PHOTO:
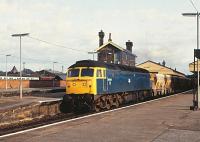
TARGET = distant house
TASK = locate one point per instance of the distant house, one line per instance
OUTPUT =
(13, 71)
(27, 72)
(50, 75)
(15, 75)
(112, 53)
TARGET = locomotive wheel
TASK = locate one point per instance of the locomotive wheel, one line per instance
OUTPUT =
(111, 100)
(108, 106)
(103, 102)
(115, 101)
(119, 98)
(97, 106)
(108, 102)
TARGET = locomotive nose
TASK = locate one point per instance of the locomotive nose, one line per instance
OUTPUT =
(79, 86)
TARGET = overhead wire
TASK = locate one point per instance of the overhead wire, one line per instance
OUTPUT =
(192, 2)
(54, 44)
(5, 50)
(33, 59)
(49, 43)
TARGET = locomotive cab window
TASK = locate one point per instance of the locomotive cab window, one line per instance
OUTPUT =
(99, 73)
(87, 72)
(73, 73)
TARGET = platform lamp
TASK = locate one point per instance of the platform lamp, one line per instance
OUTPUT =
(7, 71)
(54, 74)
(196, 101)
(20, 37)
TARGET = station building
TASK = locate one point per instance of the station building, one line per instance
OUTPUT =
(110, 52)
(154, 67)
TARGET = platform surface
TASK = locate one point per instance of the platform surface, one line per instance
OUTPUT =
(7, 103)
(166, 120)
(37, 95)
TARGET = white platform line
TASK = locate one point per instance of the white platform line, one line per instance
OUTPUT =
(95, 114)
(50, 100)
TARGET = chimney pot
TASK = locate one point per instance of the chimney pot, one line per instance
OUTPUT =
(129, 45)
(109, 37)
(101, 36)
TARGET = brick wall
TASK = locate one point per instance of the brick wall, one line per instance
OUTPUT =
(14, 84)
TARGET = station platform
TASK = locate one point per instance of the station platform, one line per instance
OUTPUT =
(10, 98)
(14, 110)
(165, 120)
(28, 91)
(7, 103)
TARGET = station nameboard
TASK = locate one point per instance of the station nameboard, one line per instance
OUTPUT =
(197, 53)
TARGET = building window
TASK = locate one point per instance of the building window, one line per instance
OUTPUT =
(126, 57)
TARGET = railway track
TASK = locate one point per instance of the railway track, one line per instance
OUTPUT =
(63, 118)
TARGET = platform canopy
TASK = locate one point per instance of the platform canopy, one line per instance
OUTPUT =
(191, 66)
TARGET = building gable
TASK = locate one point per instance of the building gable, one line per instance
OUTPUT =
(110, 43)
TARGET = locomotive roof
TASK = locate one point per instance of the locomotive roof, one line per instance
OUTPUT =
(91, 63)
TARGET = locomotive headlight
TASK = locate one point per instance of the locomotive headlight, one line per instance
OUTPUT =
(129, 80)
(90, 83)
(74, 84)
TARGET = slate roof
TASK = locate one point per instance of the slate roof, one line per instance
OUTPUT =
(116, 46)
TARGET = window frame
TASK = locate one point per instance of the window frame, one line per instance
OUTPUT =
(86, 75)
(73, 69)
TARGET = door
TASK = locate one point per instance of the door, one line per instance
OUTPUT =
(105, 83)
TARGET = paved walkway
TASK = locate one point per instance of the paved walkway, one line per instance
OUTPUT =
(167, 120)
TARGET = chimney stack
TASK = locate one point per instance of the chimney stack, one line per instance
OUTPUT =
(101, 36)
(163, 63)
(129, 45)
(109, 37)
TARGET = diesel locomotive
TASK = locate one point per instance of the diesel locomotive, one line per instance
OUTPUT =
(99, 86)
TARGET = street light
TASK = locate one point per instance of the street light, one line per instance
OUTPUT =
(7, 71)
(198, 97)
(20, 37)
(54, 74)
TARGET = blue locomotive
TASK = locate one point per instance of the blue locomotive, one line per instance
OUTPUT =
(100, 85)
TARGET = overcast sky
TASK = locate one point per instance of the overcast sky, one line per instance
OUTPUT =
(156, 28)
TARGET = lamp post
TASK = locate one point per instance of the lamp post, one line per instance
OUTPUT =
(7, 71)
(20, 37)
(54, 74)
(197, 102)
